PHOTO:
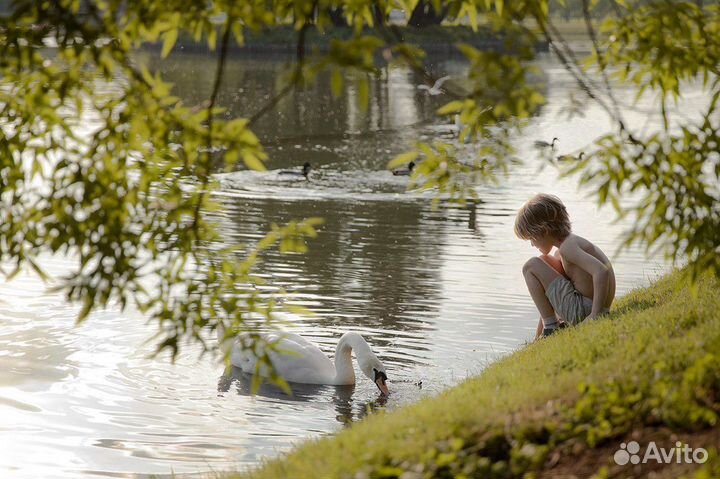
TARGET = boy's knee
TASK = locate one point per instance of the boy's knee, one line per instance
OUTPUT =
(530, 265)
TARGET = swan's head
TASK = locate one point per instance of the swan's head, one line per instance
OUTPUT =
(381, 381)
(375, 371)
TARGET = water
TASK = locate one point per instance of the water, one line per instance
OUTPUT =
(437, 292)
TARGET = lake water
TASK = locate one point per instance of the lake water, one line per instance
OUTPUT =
(437, 292)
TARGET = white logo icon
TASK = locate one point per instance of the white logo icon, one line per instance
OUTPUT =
(627, 453)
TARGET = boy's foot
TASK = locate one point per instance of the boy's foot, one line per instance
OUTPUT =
(548, 331)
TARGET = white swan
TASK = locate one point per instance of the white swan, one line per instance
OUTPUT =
(298, 360)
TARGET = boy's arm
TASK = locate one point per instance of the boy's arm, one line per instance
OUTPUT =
(600, 274)
(555, 262)
(557, 256)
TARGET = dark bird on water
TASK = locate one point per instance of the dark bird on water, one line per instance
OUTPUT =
(571, 157)
(305, 171)
(404, 171)
(545, 144)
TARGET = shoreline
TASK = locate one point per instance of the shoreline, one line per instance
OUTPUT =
(559, 407)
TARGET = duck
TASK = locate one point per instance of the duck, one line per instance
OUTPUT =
(305, 171)
(545, 144)
(404, 171)
(298, 360)
(571, 157)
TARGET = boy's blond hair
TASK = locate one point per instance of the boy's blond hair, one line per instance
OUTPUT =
(541, 216)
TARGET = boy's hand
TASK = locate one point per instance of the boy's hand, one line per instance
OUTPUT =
(592, 316)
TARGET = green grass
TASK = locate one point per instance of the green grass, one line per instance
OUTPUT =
(652, 365)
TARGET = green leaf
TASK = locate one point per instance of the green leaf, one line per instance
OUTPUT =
(298, 310)
(38, 270)
(12, 274)
(231, 159)
(499, 4)
(253, 162)
(363, 97)
(169, 42)
(88, 303)
(212, 38)
(238, 33)
(454, 106)
(471, 11)
(336, 83)
(469, 51)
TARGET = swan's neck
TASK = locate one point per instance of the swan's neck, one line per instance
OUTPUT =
(349, 342)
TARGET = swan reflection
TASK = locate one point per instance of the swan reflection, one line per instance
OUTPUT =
(347, 409)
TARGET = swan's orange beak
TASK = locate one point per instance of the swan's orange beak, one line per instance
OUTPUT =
(380, 382)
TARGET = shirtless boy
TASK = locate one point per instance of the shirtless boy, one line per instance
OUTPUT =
(575, 283)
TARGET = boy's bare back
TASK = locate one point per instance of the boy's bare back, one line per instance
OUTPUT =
(580, 258)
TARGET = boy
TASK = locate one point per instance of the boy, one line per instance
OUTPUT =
(574, 284)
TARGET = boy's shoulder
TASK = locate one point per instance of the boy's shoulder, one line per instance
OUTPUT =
(574, 245)
(571, 241)
(574, 242)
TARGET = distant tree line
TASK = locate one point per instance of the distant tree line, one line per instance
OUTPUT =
(426, 13)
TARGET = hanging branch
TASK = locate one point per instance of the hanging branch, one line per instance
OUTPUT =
(391, 36)
(204, 173)
(567, 57)
(601, 62)
(296, 77)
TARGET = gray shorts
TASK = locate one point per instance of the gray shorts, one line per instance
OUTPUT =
(571, 306)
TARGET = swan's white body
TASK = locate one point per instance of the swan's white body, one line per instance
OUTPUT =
(298, 360)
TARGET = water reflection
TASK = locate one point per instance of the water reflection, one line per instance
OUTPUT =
(36, 349)
(35, 357)
(310, 124)
(369, 261)
(348, 407)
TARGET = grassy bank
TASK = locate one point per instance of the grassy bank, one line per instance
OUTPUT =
(560, 407)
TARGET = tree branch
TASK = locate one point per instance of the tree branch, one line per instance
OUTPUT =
(567, 57)
(603, 65)
(204, 173)
(296, 76)
(391, 36)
